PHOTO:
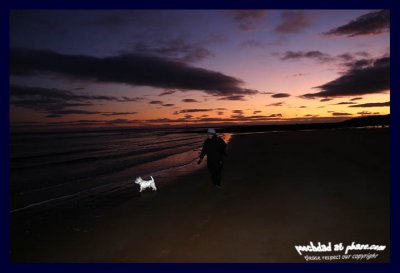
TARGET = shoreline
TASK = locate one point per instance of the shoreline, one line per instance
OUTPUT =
(279, 190)
(117, 181)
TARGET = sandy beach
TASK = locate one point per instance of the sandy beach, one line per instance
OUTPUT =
(279, 189)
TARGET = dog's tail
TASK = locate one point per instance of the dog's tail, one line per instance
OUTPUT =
(152, 178)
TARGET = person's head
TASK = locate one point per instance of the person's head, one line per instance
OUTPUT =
(211, 132)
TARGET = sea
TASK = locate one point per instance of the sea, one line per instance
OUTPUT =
(49, 168)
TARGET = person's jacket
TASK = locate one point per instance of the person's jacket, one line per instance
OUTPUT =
(214, 148)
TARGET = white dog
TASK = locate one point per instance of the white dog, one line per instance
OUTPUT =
(146, 183)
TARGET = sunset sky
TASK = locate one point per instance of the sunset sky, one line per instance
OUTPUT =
(103, 68)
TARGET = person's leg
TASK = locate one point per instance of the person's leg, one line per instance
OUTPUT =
(212, 167)
(215, 167)
(220, 165)
(218, 173)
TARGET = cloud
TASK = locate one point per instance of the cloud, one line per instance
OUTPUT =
(311, 116)
(256, 112)
(293, 22)
(356, 98)
(127, 99)
(155, 102)
(249, 118)
(167, 92)
(60, 113)
(367, 24)
(189, 100)
(358, 81)
(118, 113)
(77, 122)
(168, 104)
(117, 19)
(21, 91)
(340, 114)
(313, 54)
(326, 99)
(176, 49)
(247, 20)
(368, 113)
(57, 102)
(348, 60)
(233, 97)
(346, 56)
(220, 113)
(280, 95)
(233, 118)
(359, 64)
(275, 116)
(299, 75)
(303, 106)
(373, 104)
(344, 103)
(195, 110)
(120, 121)
(74, 112)
(275, 104)
(46, 105)
(167, 121)
(237, 114)
(241, 117)
(130, 69)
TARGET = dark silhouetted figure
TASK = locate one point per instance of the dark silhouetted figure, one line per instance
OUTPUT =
(215, 149)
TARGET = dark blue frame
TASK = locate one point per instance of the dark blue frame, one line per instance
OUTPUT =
(6, 266)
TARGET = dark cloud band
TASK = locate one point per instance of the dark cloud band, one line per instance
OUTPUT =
(280, 95)
(57, 103)
(131, 69)
(374, 78)
(370, 23)
(372, 104)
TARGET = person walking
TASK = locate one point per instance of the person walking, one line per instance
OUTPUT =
(215, 149)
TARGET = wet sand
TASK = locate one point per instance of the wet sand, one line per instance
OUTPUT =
(279, 190)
